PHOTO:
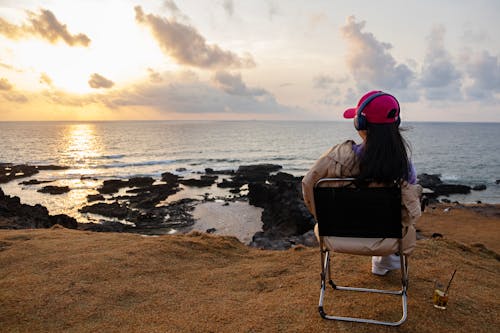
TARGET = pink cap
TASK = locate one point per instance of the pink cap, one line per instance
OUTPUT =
(377, 111)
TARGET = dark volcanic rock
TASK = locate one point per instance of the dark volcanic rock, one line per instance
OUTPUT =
(434, 183)
(169, 178)
(35, 182)
(210, 171)
(52, 167)
(257, 172)
(429, 181)
(10, 172)
(64, 220)
(480, 187)
(447, 189)
(140, 182)
(110, 210)
(105, 226)
(16, 215)
(95, 197)
(54, 189)
(204, 181)
(112, 186)
(285, 217)
(248, 174)
(149, 197)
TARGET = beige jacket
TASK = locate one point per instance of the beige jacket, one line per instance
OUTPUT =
(341, 161)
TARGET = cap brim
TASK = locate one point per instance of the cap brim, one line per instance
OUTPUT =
(350, 113)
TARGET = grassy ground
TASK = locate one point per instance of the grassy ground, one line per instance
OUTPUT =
(63, 280)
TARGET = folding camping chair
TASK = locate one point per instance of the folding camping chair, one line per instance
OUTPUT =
(349, 213)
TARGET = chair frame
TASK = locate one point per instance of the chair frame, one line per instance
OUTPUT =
(326, 275)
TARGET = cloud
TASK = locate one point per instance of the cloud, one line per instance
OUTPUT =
(484, 71)
(440, 79)
(186, 94)
(170, 5)
(272, 10)
(473, 35)
(59, 97)
(185, 44)
(5, 84)
(176, 12)
(154, 76)
(8, 93)
(370, 62)
(234, 85)
(228, 6)
(333, 97)
(325, 81)
(98, 81)
(44, 25)
(15, 97)
(45, 79)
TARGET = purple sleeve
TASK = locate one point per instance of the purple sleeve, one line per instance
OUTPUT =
(412, 177)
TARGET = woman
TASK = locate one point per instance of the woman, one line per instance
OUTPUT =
(382, 157)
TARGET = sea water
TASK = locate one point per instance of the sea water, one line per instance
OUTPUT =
(462, 153)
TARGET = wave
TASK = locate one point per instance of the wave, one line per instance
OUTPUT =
(222, 160)
(135, 164)
(284, 158)
(111, 157)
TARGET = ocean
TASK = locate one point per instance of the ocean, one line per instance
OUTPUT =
(462, 153)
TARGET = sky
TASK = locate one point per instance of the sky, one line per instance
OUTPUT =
(247, 60)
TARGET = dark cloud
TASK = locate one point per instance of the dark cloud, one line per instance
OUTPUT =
(5, 84)
(440, 79)
(98, 81)
(185, 44)
(234, 85)
(484, 71)
(370, 61)
(45, 25)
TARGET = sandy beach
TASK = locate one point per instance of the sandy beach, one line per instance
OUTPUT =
(55, 280)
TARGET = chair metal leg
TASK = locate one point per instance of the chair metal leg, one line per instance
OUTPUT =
(403, 293)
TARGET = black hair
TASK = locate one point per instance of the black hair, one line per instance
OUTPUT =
(385, 154)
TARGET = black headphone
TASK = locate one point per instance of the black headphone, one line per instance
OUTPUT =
(360, 123)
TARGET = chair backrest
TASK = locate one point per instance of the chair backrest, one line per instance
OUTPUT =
(357, 211)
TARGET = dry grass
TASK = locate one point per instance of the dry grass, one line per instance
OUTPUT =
(72, 281)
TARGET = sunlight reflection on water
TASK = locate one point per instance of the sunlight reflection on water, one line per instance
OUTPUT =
(80, 146)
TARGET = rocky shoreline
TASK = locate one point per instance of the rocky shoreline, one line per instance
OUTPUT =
(138, 205)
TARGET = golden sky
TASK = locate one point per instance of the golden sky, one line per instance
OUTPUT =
(262, 59)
